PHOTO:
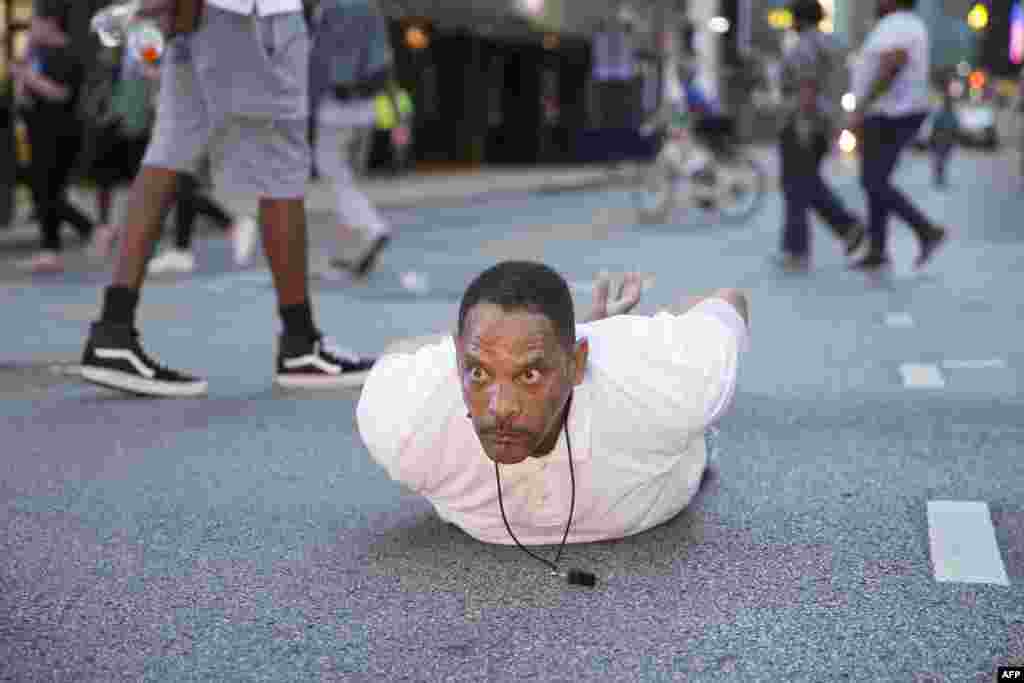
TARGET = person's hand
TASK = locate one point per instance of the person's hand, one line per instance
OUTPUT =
(609, 301)
(400, 136)
(161, 12)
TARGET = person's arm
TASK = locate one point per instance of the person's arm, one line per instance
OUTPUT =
(403, 413)
(890, 63)
(41, 84)
(44, 31)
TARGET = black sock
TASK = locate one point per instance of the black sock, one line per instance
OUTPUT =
(298, 321)
(119, 304)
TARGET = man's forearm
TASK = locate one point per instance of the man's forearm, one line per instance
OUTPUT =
(891, 63)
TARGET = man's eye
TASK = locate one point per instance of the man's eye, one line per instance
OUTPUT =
(532, 376)
(477, 374)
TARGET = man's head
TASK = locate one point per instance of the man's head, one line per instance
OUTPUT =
(889, 6)
(518, 358)
(806, 13)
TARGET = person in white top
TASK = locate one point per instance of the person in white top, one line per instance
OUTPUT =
(524, 427)
(891, 83)
(234, 89)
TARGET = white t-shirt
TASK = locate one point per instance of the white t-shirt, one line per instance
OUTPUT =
(652, 386)
(909, 91)
(264, 7)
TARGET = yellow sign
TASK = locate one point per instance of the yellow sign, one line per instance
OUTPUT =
(780, 19)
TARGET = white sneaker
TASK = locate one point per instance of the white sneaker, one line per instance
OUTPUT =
(243, 238)
(173, 261)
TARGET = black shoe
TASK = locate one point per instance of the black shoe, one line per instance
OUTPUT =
(871, 262)
(932, 240)
(793, 263)
(853, 237)
(314, 363)
(364, 265)
(114, 359)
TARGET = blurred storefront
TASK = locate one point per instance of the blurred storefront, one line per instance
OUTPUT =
(509, 81)
(14, 18)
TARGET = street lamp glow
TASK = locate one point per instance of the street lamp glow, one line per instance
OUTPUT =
(977, 18)
(849, 102)
(847, 141)
(718, 24)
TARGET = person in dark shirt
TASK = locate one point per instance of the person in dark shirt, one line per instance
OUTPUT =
(53, 79)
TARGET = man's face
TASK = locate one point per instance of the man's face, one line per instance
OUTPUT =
(516, 376)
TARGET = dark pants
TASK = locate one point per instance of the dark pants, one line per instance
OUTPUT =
(190, 204)
(941, 152)
(804, 189)
(56, 141)
(884, 138)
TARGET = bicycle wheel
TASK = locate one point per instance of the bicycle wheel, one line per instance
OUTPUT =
(655, 197)
(738, 187)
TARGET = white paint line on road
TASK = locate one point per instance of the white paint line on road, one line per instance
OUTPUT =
(963, 543)
(899, 320)
(922, 376)
(991, 363)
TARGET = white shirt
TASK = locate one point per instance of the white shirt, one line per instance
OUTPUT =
(264, 7)
(652, 386)
(909, 91)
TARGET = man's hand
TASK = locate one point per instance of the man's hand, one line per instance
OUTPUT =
(626, 296)
(161, 12)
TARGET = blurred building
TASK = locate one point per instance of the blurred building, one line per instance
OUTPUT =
(510, 81)
(14, 18)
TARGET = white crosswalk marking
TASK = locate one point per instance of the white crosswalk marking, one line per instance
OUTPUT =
(916, 376)
(963, 543)
(901, 320)
(991, 363)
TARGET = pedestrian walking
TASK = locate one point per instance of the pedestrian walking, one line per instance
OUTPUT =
(525, 427)
(1020, 122)
(352, 63)
(191, 203)
(891, 87)
(235, 87)
(394, 119)
(52, 80)
(121, 145)
(805, 140)
(944, 134)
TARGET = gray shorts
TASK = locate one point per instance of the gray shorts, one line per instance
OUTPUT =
(237, 90)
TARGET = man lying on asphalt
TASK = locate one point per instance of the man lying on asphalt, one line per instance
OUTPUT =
(607, 417)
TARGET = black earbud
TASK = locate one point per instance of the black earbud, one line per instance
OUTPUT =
(578, 577)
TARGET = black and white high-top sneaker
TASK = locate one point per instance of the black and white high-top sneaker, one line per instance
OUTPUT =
(316, 363)
(114, 359)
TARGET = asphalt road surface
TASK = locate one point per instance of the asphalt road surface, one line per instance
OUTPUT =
(865, 522)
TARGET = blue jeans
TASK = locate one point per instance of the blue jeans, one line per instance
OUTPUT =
(884, 139)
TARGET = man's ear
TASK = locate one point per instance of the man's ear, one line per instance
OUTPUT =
(457, 341)
(580, 352)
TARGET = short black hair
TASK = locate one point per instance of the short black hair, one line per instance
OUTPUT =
(806, 12)
(525, 286)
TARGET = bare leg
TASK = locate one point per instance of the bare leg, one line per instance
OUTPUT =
(284, 243)
(151, 197)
